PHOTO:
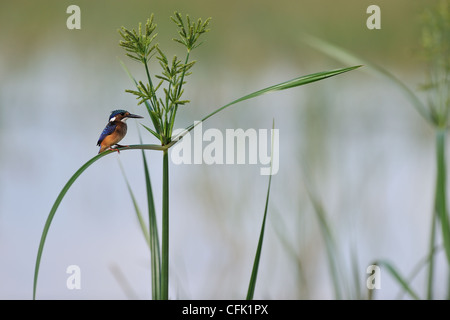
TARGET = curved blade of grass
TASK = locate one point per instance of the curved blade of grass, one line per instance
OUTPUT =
(252, 284)
(299, 81)
(63, 193)
(345, 56)
(396, 275)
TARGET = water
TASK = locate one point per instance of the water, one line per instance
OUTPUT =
(353, 140)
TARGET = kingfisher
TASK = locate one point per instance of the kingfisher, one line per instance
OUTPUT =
(115, 130)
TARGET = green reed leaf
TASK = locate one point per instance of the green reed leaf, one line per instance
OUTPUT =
(397, 276)
(66, 188)
(278, 87)
(252, 284)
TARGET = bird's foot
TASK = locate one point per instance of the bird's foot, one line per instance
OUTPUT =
(117, 146)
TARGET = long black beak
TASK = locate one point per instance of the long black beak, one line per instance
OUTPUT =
(133, 116)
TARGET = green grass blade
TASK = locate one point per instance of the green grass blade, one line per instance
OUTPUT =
(154, 235)
(299, 81)
(345, 56)
(136, 207)
(53, 211)
(396, 275)
(252, 284)
(155, 252)
(63, 192)
(144, 147)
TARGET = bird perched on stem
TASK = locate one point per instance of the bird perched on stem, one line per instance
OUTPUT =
(115, 130)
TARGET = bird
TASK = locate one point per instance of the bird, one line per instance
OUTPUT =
(115, 130)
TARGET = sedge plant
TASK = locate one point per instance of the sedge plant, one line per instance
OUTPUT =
(436, 112)
(140, 47)
(162, 95)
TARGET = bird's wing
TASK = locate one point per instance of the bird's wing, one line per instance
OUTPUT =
(106, 132)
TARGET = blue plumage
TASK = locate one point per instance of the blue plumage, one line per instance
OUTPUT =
(110, 127)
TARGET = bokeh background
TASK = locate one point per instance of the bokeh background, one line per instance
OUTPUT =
(353, 140)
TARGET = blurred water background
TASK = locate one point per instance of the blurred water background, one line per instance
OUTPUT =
(354, 140)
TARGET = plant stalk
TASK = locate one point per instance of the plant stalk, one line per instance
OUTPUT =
(431, 256)
(155, 258)
(165, 228)
(440, 207)
(441, 190)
